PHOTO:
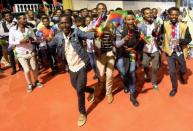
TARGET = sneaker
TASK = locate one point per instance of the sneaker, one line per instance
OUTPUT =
(110, 98)
(126, 89)
(29, 88)
(155, 86)
(91, 97)
(38, 84)
(145, 76)
(173, 92)
(7, 65)
(81, 120)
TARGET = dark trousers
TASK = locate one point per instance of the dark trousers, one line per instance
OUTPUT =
(172, 67)
(49, 54)
(1, 54)
(78, 81)
(12, 60)
(154, 57)
(52, 58)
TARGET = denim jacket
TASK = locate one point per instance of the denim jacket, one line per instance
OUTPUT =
(75, 38)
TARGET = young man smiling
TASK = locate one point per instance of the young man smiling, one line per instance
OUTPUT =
(69, 44)
(176, 37)
(150, 51)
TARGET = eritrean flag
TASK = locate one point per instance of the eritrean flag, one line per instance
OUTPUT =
(116, 17)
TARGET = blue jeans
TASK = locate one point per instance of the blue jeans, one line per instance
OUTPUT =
(126, 69)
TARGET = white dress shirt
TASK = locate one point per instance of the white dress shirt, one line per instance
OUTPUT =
(15, 36)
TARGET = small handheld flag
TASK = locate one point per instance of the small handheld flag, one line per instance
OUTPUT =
(45, 4)
(116, 17)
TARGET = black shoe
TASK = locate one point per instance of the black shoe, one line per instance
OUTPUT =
(95, 77)
(1, 70)
(54, 72)
(134, 100)
(13, 72)
(173, 92)
(182, 80)
(126, 90)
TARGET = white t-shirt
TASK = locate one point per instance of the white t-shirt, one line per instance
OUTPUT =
(75, 63)
(15, 36)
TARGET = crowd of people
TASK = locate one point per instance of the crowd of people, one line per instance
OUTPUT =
(71, 39)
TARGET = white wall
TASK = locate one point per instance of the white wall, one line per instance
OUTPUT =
(128, 5)
(79, 4)
(133, 5)
(110, 4)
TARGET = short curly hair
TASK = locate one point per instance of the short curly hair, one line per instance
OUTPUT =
(173, 9)
(5, 11)
(103, 4)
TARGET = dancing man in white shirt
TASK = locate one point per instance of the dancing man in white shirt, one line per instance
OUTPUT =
(21, 37)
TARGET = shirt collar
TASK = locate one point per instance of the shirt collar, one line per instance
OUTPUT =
(9, 23)
(67, 37)
(176, 22)
(16, 27)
